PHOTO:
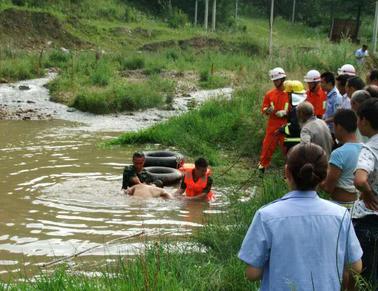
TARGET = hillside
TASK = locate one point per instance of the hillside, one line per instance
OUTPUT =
(113, 57)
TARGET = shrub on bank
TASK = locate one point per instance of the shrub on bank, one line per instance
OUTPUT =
(20, 68)
(102, 73)
(131, 63)
(122, 96)
(212, 81)
(57, 58)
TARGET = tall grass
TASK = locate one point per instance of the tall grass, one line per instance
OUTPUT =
(217, 124)
(19, 65)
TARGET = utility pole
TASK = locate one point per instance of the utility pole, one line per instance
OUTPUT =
(196, 13)
(271, 28)
(293, 15)
(358, 19)
(206, 20)
(214, 14)
(375, 28)
(236, 9)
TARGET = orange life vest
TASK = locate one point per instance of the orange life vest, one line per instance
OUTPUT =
(196, 188)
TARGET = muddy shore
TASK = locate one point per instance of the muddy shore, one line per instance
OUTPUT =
(30, 100)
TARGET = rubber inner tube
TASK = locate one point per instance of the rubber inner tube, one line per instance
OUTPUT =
(168, 176)
(163, 159)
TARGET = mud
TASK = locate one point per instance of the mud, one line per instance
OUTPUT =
(202, 44)
(32, 29)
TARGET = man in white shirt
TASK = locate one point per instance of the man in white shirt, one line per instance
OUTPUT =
(361, 53)
(365, 212)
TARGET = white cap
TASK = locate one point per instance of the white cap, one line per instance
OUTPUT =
(347, 69)
(312, 76)
(277, 73)
(297, 98)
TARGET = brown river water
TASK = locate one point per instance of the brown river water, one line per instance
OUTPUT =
(60, 192)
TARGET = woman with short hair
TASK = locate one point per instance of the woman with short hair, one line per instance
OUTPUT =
(301, 242)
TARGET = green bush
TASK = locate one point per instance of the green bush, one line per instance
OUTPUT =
(205, 76)
(102, 74)
(132, 63)
(177, 18)
(212, 81)
(138, 96)
(57, 58)
(131, 14)
(19, 68)
(92, 102)
(119, 96)
(154, 69)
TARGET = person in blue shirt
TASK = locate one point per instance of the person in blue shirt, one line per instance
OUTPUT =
(334, 98)
(301, 242)
(339, 182)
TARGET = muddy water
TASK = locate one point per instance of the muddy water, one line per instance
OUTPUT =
(60, 192)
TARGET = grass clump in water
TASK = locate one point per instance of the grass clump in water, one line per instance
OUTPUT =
(125, 96)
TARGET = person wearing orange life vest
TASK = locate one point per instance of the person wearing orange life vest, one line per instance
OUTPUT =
(197, 182)
(275, 106)
(315, 94)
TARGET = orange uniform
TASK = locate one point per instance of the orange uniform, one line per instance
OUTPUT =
(318, 99)
(195, 188)
(279, 100)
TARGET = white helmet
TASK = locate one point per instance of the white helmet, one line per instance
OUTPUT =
(347, 69)
(277, 73)
(312, 76)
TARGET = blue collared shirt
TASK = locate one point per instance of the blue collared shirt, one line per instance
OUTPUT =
(334, 102)
(301, 242)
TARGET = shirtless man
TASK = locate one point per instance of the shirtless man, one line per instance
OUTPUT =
(148, 191)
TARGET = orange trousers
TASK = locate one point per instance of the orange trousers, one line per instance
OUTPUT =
(271, 140)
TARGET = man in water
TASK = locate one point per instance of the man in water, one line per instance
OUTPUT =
(196, 183)
(136, 174)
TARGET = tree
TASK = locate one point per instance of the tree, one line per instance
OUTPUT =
(206, 20)
(214, 15)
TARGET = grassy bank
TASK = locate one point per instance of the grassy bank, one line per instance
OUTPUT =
(237, 125)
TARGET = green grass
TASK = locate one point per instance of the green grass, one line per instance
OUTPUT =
(204, 131)
(18, 65)
(236, 125)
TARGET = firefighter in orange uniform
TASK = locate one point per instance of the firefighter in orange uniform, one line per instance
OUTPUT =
(275, 106)
(315, 94)
(197, 182)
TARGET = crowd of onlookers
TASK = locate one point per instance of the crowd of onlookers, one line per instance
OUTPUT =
(329, 134)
